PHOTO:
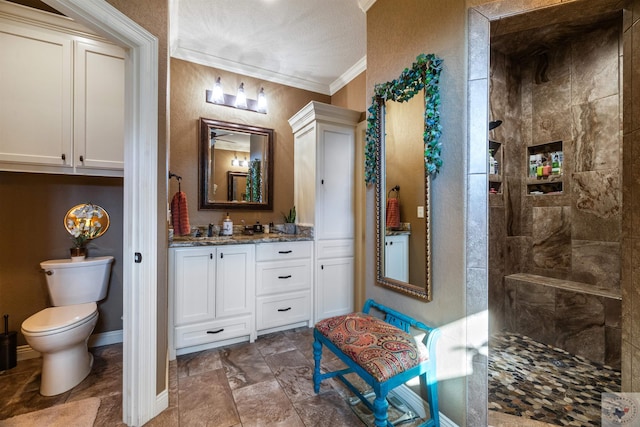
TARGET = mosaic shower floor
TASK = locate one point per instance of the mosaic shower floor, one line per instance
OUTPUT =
(544, 383)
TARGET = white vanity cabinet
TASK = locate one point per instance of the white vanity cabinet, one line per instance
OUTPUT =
(396, 257)
(61, 96)
(284, 275)
(211, 296)
(324, 152)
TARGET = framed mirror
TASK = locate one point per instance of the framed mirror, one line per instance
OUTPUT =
(402, 156)
(236, 166)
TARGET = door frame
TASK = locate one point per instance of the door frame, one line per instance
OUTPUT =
(140, 243)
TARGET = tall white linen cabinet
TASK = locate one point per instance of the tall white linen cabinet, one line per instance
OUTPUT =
(324, 152)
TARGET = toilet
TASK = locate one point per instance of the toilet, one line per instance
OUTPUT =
(60, 333)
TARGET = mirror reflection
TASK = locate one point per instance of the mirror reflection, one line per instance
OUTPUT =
(236, 166)
(404, 184)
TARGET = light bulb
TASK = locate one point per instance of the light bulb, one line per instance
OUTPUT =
(262, 101)
(218, 94)
(241, 98)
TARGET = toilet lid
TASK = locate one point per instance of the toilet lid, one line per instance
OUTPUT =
(53, 318)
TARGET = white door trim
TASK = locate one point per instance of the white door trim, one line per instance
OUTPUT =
(139, 403)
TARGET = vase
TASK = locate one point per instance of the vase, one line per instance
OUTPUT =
(289, 228)
(78, 254)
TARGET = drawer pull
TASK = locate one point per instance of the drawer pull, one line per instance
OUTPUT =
(284, 277)
(215, 332)
(284, 309)
(284, 252)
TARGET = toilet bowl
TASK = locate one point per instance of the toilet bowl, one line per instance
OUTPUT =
(61, 333)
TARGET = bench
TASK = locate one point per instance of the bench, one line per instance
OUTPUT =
(382, 353)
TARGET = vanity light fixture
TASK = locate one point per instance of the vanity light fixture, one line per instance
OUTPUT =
(235, 161)
(240, 101)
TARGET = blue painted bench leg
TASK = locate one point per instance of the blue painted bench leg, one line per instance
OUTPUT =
(431, 385)
(317, 354)
(380, 406)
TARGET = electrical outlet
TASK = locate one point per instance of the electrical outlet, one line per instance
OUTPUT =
(420, 211)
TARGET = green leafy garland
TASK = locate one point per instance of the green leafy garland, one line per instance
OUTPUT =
(423, 74)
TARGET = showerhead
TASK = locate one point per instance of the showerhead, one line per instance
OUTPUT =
(494, 124)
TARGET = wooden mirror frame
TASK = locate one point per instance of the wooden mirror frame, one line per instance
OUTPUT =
(422, 77)
(204, 202)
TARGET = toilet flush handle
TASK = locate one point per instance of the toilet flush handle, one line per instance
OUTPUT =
(47, 272)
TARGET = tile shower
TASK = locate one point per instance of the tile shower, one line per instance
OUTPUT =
(554, 258)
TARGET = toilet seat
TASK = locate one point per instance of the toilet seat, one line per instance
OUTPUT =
(55, 320)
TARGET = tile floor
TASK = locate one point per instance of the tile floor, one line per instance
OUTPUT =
(267, 383)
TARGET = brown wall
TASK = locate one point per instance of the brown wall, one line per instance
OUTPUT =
(353, 94)
(189, 82)
(31, 225)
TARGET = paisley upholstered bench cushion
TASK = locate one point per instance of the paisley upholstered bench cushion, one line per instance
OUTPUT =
(380, 348)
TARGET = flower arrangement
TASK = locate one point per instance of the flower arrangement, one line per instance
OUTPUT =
(83, 223)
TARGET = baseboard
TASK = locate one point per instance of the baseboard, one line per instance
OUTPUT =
(162, 402)
(417, 404)
(25, 352)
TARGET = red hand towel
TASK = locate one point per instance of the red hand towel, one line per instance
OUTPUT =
(393, 213)
(179, 214)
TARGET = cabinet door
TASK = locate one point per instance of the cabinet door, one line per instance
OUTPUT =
(396, 257)
(194, 285)
(35, 97)
(235, 280)
(334, 287)
(99, 106)
(334, 201)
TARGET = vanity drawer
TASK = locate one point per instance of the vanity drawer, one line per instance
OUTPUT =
(208, 332)
(280, 310)
(283, 276)
(283, 250)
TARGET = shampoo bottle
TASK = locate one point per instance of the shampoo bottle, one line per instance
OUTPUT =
(227, 226)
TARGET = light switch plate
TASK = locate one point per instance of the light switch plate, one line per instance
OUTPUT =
(420, 211)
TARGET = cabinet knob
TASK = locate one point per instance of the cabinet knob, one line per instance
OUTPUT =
(64, 156)
(82, 158)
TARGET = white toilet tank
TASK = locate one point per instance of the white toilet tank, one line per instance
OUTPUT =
(77, 282)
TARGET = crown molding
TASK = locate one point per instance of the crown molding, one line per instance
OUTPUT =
(365, 4)
(348, 75)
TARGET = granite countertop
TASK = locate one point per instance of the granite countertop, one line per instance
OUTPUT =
(398, 232)
(236, 239)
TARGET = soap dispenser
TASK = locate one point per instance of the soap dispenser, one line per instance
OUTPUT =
(227, 226)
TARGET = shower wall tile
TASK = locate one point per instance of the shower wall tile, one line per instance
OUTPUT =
(580, 324)
(627, 78)
(510, 309)
(518, 254)
(612, 347)
(596, 263)
(597, 205)
(632, 150)
(526, 103)
(512, 192)
(551, 235)
(597, 134)
(612, 312)
(635, 74)
(552, 101)
(594, 59)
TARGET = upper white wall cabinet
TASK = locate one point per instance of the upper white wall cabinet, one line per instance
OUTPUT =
(61, 96)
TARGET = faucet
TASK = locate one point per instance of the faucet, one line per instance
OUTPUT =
(210, 231)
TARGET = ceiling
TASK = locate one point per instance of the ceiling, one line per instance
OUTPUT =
(316, 45)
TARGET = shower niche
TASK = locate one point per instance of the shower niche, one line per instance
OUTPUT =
(544, 169)
(496, 163)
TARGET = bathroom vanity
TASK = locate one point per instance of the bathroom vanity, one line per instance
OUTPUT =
(228, 290)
